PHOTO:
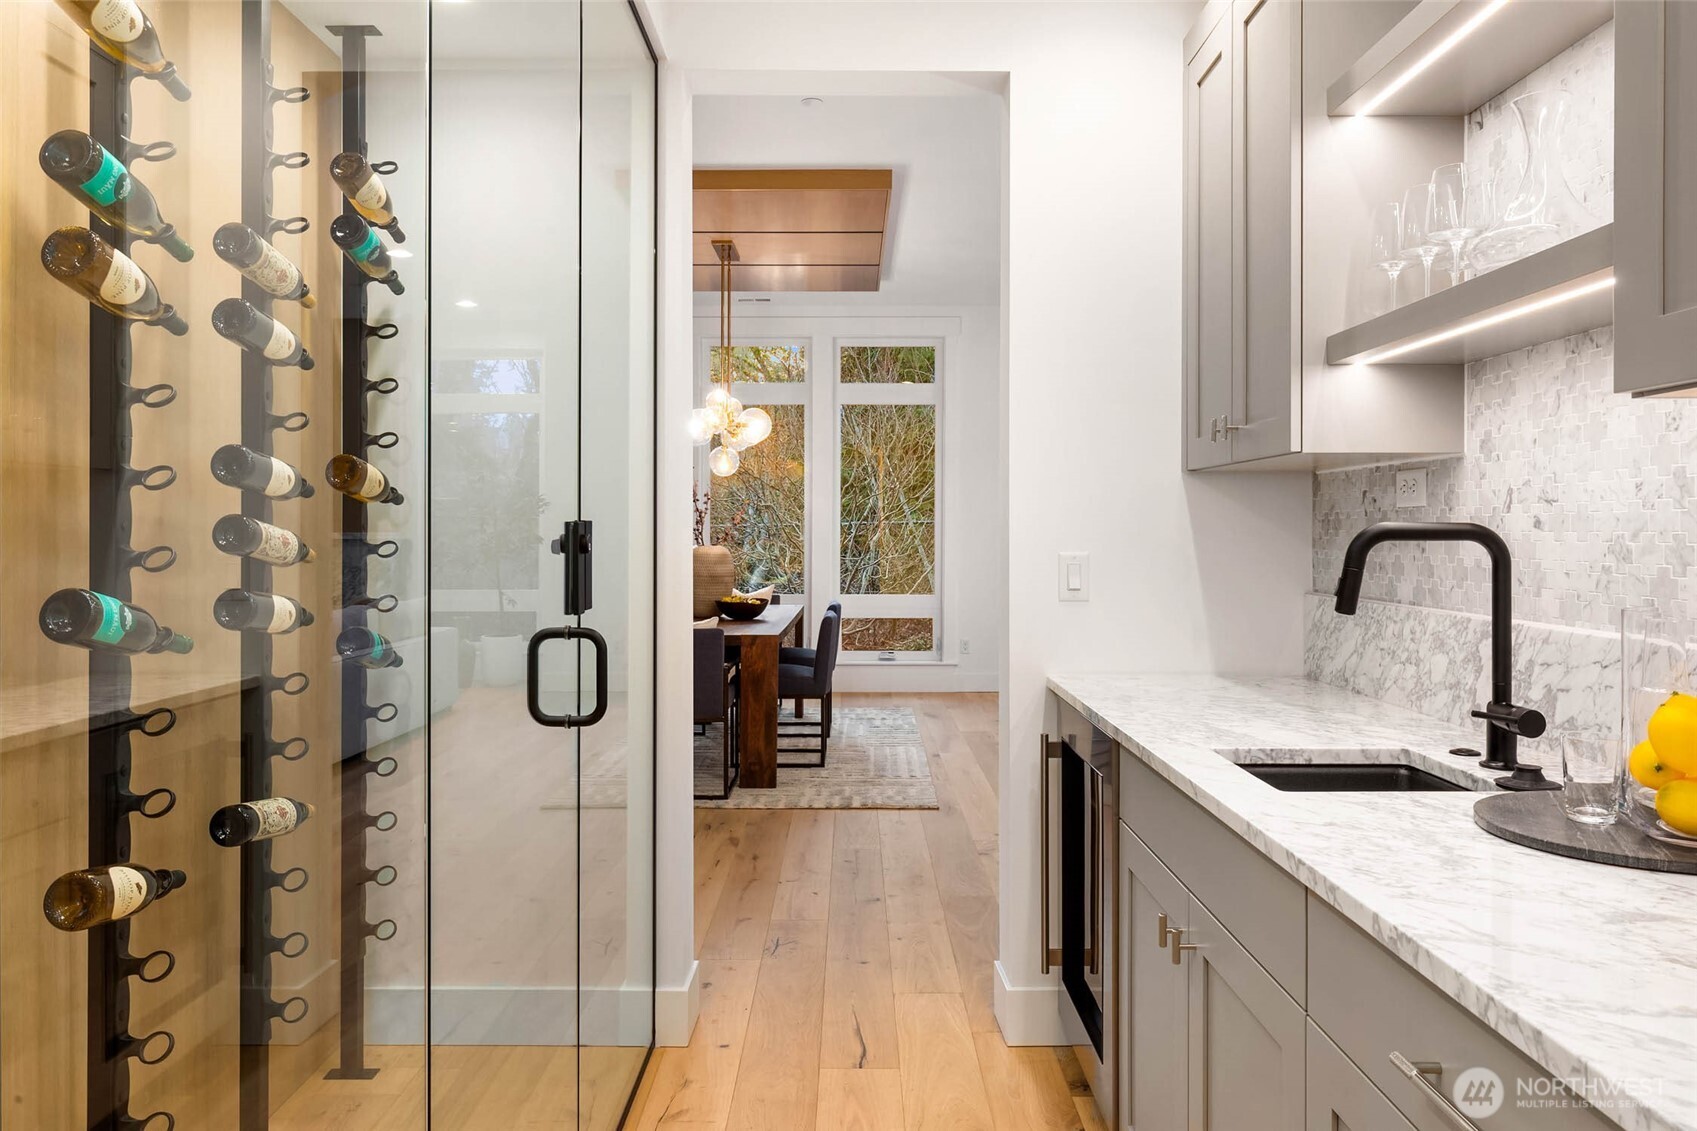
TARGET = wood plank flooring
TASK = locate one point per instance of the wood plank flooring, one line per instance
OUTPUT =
(846, 965)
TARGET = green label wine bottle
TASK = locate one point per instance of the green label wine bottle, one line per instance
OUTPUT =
(89, 897)
(248, 821)
(243, 323)
(248, 252)
(367, 648)
(365, 250)
(98, 181)
(358, 479)
(105, 624)
(241, 610)
(108, 278)
(122, 30)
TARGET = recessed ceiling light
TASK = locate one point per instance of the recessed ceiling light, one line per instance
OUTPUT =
(812, 101)
(466, 303)
(399, 253)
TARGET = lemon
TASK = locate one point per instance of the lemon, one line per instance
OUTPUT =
(1673, 732)
(1676, 805)
(1649, 770)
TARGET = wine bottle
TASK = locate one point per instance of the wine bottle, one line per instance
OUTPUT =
(108, 278)
(246, 537)
(365, 250)
(87, 898)
(96, 179)
(357, 479)
(360, 645)
(122, 30)
(236, 825)
(236, 466)
(248, 252)
(243, 324)
(239, 609)
(105, 624)
(364, 189)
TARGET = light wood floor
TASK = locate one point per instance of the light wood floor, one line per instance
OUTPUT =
(846, 965)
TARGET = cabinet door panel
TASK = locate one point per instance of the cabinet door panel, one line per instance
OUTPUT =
(1655, 174)
(1340, 1097)
(1153, 1001)
(1246, 1037)
(1208, 267)
(1267, 175)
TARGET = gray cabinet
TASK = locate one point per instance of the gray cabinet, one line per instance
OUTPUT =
(1154, 1000)
(1340, 1098)
(1655, 236)
(1209, 338)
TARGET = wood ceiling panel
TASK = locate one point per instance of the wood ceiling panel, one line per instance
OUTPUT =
(795, 229)
(791, 278)
(858, 249)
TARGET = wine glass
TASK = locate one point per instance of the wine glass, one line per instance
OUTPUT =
(1449, 213)
(1387, 243)
(1481, 212)
(1417, 241)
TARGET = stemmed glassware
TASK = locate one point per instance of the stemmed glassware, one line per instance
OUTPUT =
(1450, 214)
(1387, 243)
(1417, 239)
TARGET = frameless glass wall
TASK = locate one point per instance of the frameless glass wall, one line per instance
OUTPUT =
(303, 364)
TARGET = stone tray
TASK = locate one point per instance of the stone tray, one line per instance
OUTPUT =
(1536, 820)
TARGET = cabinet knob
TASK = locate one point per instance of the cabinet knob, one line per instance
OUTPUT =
(1180, 946)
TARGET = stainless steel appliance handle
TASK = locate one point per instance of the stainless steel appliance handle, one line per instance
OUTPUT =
(1050, 751)
(1419, 1073)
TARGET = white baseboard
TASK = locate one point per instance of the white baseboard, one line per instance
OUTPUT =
(900, 678)
(676, 1009)
(1035, 1015)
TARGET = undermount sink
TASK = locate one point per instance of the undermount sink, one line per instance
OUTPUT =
(1342, 778)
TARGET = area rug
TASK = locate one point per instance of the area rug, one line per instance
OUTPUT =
(876, 760)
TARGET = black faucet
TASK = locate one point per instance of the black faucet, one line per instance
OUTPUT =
(1508, 724)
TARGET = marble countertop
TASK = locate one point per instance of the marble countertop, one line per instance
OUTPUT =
(1588, 969)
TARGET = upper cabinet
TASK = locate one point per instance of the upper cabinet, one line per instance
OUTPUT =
(1209, 354)
(1655, 180)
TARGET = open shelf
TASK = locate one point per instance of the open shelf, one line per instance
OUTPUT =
(1566, 289)
(1448, 57)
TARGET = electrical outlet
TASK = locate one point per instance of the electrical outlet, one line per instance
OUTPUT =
(965, 646)
(1411, 487)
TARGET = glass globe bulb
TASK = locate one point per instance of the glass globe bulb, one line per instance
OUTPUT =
(717, 418)
(717, 396)
(723, 461)
(733, 408)
(753, 426)
(700, 428)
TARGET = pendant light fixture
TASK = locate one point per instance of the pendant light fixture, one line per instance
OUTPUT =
(723, 416)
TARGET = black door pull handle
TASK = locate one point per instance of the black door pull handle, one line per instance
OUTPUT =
(533, 676)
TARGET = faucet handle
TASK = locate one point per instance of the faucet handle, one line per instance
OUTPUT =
(1523, 721)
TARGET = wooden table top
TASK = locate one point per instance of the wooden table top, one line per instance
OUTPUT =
(775, 621)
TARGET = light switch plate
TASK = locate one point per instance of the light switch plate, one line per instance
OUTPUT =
(1411, 487)
(1075, 577)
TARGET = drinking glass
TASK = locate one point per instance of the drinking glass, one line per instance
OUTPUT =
(1387, 243)
(1590, 768)
(1449, 213)
(1417, 241)
(1480, 215)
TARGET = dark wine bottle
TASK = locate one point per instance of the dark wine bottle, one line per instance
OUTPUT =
(236, 825)
(360, 645)
(243, 324)
(358, 479)
(105, 624)
(236, 466)
(122, 30)
(240, 610)
(98, 181)
(108, 278)
(247, 537)
(364, 189)
(365, 250)
(248, 252)
(87, 898)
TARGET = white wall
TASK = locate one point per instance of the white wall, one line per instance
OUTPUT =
(1189, 573)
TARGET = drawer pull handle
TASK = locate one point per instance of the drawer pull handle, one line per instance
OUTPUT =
(1179, 945)
(1420, 1073)
(1161, 930)
(1051, 752)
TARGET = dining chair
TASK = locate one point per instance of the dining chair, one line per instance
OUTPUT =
(812, 681)
(716, 702)
(804, 656)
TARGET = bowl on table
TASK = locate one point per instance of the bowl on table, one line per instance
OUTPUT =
(741, 608)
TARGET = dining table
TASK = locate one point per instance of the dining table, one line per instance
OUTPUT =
(757, 642)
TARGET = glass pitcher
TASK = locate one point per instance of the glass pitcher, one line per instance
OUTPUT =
(1544, 210)
(1657, 654)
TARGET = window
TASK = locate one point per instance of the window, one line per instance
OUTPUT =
(761, 511)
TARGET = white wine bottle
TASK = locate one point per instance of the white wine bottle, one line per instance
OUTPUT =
(241, 322)
(87, 898)
(245, 537)
(98, 181)
(105, 624)
(358, 479)
(248, 252)
(367, 648)
(365, 250)
(240, 610)
(244, 823)
(365, 190)
(122, 30)
(236, 466)
(108, 278)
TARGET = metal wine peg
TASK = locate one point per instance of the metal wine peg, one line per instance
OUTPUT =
(299, 159)
(291, 750)
(138, 1047)
(287, 1012)
(293, 226)
(295, 683)
(383, 930)
(132, 151)
(145, 1123)
(387, 603)
(295, 879)
(383, 822)
(293, 422)
(147, 803)
(155, 559)
(148, 968)
(384, 168)
(155, 478)
(152, 396)
(293, 95)
(382, 331)
(384, 440)
(286, 947)
(155, 722)
(383, 387)
(383, 712)
(382, 877)
(385, 549)
(383, 767)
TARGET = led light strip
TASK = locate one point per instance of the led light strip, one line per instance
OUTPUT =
(1487, 320)
(1432, 56)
